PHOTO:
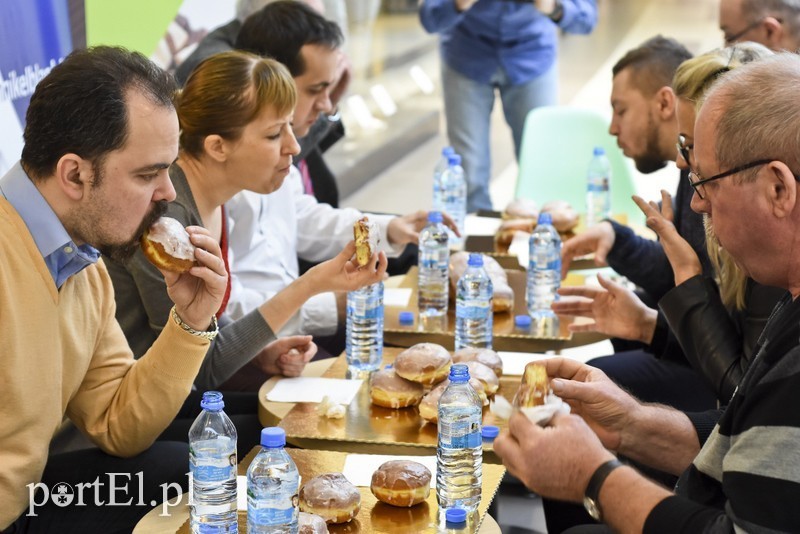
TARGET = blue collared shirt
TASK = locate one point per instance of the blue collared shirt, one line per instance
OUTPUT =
(61, 255)
(507, 34)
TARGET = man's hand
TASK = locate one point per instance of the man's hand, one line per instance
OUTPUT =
(286, 356)
(617, 311)
(597, 239)
(342, 273)
(556, 461)
(198, 293)
(607, 409)
(406, 229)
(545, 7)
(681, 255)
(463, 5)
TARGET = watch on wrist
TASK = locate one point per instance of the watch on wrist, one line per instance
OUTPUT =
(591, 498)
(558, 12)
(209, 334)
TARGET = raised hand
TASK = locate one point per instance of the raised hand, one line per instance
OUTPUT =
(198, 293)
(681, 255)
(617, 311)
(406, 228)
(597, 240)
(342, 273)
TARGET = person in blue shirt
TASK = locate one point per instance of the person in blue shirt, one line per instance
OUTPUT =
(505, 45)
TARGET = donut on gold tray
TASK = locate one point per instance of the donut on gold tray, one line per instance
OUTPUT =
(487, 357)
(166, 244)
(311, 524)
(429, 407)
(485, 375)
(401, 483)
(332, 497)
(426, 363)
(389, 390)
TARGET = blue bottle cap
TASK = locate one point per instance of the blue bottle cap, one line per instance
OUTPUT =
(459, 373)
(435, 216)
(406, 317)
(212, 401)
(455, 515)
(388, 366)
(545, 218)
(522, 321)
(490, 432)
(599, 151)
(454, 159)
(446, 151)
(475, 259)
(273, 437)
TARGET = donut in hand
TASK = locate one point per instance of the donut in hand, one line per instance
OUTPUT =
(367, 237)
(167, 245)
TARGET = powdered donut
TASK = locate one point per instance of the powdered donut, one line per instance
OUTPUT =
(332, 497)
(426, 363)
(167, 245)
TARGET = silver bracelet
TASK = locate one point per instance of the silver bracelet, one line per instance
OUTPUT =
(208, 334)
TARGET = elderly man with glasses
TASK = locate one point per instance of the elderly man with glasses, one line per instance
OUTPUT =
(740, 466)
(773, 23)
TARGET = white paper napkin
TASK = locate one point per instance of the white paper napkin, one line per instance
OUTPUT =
(396, 296)
(304, 389)
(519, 247)
(475, 225)
(514, 362)
(358, 468)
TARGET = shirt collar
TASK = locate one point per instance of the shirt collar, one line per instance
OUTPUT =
(62, 256)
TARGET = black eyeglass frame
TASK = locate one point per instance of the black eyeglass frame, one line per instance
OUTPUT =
(735, 37)
(736, 170)
(683, 148)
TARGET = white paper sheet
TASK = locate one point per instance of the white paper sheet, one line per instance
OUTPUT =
(358, 468)
(396, 296)
(514, 362)
(519, 247)
(303, 389)
(474, 225)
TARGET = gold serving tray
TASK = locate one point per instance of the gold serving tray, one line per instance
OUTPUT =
(367, 428)
(505, 337)
(374, 516)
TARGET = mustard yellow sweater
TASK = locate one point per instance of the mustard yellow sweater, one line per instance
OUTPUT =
(63, 353)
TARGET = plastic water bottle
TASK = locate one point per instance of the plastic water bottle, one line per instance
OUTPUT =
(273, 483)
(474, 306)
(212, 463)
(544, 268)
(440, 167)
(459, 455)
(433, 282)
(598, 184)
(454, 198)
(364, 345)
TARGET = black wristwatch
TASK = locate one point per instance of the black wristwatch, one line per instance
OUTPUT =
(558, 12)
(591, 498)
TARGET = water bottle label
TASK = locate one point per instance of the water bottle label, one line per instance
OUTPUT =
(468, 441)
(461, 434)
(213, 473)
(473, 312)
(267, 517)
(543, 259)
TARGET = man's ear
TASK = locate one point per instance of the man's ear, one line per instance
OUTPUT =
(216, 147)
(665, 100)
(74, 175)
(773, 29)
(781, 188)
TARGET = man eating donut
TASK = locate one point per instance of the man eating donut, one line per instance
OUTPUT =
(101, 133)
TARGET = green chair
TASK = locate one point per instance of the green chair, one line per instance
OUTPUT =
(557, 144)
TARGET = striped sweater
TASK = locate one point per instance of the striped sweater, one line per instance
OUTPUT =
(746, 478)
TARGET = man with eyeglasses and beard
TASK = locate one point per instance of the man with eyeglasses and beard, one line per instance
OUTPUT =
(101, 133)
(772, 23)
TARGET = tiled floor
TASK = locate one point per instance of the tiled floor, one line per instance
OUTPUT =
(387, 51)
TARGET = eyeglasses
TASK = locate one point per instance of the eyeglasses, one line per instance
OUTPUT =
(698, 182)
(730, 39)
(684, 148)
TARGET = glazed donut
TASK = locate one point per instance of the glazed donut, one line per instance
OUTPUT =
(367, 237)
(167, 245)
(565, 218)
(429, 407)
(426, 363)
(521, 208)
(389, 390)
(332, 497)
(487, 357)
(508, 228)
(401, 483)
(485, 375)
(311, 524)
(503, 295)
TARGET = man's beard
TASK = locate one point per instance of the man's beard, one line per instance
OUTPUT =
(651, 161)
(123, 252)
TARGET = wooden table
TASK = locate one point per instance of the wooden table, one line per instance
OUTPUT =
(367, 428)
(374, 517)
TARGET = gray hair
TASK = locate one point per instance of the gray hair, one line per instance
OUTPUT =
(761, 115)
(788, 11)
